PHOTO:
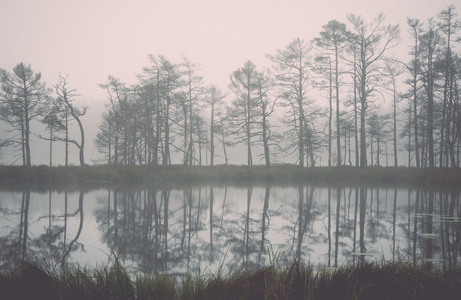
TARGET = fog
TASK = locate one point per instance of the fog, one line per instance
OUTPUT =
(91, 40)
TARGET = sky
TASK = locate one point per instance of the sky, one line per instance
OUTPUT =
(90, 40)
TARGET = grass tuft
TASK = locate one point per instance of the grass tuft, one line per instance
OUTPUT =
(388, 280)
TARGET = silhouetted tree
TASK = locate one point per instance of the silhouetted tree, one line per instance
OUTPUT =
(66, 98)
(449, 25)
(22, 100)
(291, 68)
(374, 41)
(244, 108)
(415, 85)
(429, 48)
(215, 99)
(53, 124)
(333, 40)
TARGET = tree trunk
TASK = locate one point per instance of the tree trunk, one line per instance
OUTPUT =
(338, 127)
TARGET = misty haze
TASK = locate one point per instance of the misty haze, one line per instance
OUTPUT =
(181, 139)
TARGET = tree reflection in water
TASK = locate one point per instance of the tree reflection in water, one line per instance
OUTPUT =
(196, 229)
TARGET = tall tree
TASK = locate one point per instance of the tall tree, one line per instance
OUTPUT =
(54, 125)
(414, 69)
(266, 104)
(104, 138)
(393, 71)
(429, 48)
(333, 40)
(378, 134)
(449, 25)
(151, 80)
(375, 40)
(66, 97)
(193, 91)
(170, 82)
(214, 99)
(323, 65)
(291, 68)
(22, 100)
(243, 112)
(117, 94)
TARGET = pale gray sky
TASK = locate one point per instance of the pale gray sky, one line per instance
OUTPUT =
(91, 39)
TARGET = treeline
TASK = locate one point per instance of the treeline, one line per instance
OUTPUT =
(25, 99)
(170, 115)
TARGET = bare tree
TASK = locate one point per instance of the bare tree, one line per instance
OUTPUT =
(117, 93)
(393, 71)
(193, 87)
(430, 42)
(291, 68)
(449, 25)
(333, 40)
(104, 138)
(66, 97)
(374, 41)
(54, 125)
(243, 110)
(266, 105)
(414, 69)
(215, 99)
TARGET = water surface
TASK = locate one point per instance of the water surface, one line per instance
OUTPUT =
(227, 228)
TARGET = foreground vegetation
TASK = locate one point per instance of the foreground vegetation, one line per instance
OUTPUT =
(298, 281)
(278, 174)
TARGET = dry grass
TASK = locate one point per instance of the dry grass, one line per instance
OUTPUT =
(298, 281)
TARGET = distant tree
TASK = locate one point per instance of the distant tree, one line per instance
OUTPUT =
(429, 49)
(415, 86)
(266, 105)
(22, 100)
(201, 137)
(151, 83)
(349, 130)
(66, 98)
(354, 49)
(117, 92)
(449, 25)
(323, 66)
(54, 125)
(193, 91)
(164, 79)
(374, 41)
(392, 71)
(333, 40)
(406, 131)
(103, 140)
(244, 107)
(378, 131)
(215, 99)
(171, 82)
(291, 69)
(223, 131)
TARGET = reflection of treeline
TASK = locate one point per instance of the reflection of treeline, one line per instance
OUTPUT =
(181, 175)
(179, 230)
(53, 244)
(298, 281)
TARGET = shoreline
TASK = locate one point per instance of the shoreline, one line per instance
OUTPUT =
(277, 174)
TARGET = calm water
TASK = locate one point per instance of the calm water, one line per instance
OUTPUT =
(227, 228)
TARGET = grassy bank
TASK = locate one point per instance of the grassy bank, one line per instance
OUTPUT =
(298, 281)
(279, 174)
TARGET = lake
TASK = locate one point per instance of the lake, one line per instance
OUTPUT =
(227, 228)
